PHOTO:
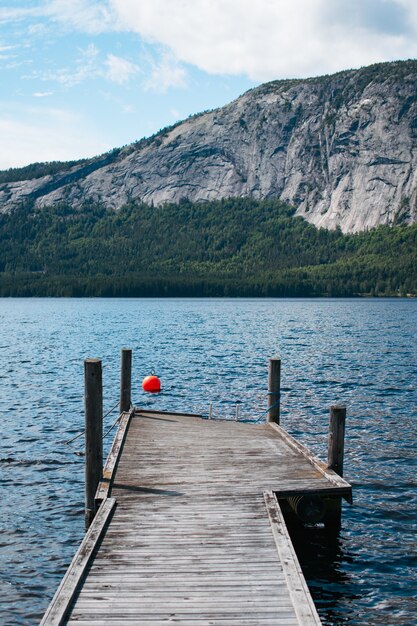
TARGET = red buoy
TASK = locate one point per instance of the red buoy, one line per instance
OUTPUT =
(151, 384)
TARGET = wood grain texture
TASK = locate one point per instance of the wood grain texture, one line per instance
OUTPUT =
(336, 442)
(191, 541)
(93, 401)
(274, 390)
(55, 614)
(328, 472)
(125, 379)
(112, 460)
(300, 595)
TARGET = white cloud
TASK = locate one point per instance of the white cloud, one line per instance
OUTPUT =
(8, 14)
(88, 16)
(274, 38)
(87, 66)
(84, 15)
(6, 48)
(265, 39)
(166, 73)
(55, 135)
(6, 52)
(12, 65)
(42, 94)
(119, 70)
(38, 30)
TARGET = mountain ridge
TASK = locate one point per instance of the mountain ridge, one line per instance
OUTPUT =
(340, 148)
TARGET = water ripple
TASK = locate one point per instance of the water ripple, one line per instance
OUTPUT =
(358, 352)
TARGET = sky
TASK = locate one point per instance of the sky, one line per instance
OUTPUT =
(81, 77)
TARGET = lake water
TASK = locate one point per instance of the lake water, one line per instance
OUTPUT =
(362, 353)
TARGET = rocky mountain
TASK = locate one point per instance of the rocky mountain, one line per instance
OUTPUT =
(342, 149)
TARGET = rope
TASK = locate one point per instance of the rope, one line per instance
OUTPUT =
(112, 426)
(267, 410)
(74, 438)
(83, 431)
(111, 410)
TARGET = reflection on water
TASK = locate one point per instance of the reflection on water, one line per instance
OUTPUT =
(325, 563)
(358, 352)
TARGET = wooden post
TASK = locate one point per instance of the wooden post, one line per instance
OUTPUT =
(336, 445)
(274, 387)
(335, 454)
(93, 386)
(125, 379)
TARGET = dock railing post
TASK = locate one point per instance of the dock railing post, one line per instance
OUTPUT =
(125, 379)
(93, 386)
(335, 455)
(274, 390)
(336, 444)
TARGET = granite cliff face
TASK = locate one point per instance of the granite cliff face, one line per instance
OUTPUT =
(342, 149)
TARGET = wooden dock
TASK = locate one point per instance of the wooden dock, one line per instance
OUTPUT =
(190, 531)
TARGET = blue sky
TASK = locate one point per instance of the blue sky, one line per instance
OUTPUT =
(80, 77)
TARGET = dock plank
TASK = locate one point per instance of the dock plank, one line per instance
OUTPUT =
(56, 613)
(197, 537)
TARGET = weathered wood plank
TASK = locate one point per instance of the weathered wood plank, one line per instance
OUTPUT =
(329, 474)
(190, 541)
(58, 608)
(300, 595)
(188, 619)
(234, 613)
(112, 460)
(150, 413)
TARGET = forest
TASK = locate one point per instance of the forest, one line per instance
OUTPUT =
(236, 247)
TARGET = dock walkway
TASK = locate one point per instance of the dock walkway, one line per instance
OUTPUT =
(190, 531)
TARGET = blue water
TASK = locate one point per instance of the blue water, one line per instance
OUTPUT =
(362, 353)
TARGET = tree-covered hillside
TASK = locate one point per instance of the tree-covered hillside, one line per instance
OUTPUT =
(236, 247)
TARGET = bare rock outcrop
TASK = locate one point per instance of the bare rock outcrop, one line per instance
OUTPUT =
(342, 149)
